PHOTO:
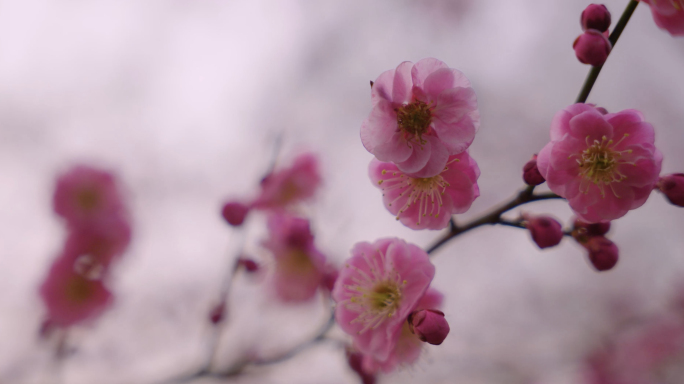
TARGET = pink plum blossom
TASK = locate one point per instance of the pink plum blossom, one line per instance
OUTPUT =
(668, 15)
(428, 203)
(422, 114)
(85, 193)
(672, 186)
(71, 296)
(604, 165)
(299, 266)
(545, 230)
(595, 16)
(381, 284)
(290, 185)
(592, 47)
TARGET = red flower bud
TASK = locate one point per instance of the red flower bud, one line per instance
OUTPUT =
(531, 174)
(546, 231)
(429, 325)
(603, 253)
(672, 186)
(595, 16)
(582, 231)
(592, 47)
(235, 213)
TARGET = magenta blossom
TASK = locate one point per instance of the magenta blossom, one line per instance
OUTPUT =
(85, 193)
(299, 266)
(71, 294)
(428, 203)
(422, 114)
(605, 165)
(668, 15)
(290, 185)
(379, 287)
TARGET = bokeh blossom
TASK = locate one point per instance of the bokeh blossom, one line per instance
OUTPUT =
(422, 114)
(668, 15)
(290, 185)
(299, 267)
(86, 194)
(604, 165)
(381, 284)
(72, 294)
(427, 203)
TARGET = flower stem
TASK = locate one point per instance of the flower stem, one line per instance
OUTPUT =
(594, 72)
(494, 217)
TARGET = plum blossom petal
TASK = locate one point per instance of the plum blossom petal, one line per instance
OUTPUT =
(668, 15)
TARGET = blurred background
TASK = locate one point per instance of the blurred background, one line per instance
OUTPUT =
(185, 100)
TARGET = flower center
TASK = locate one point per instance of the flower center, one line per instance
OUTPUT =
(425, 192)
(414, 119)
(598, 163)
(376, 296)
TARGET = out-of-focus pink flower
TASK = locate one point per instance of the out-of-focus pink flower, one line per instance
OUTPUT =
(604, 165)
(85, 193)
(103, 239)
(592, 47)
(603, 253)
(595, 16)
(380, 286)
(668, 15)
(422, 113)
(290, 185)
(235, 212)
(249, 264)
(644, 354)
(531, 174)
(428, 203)
(72, 297)
(545, 230)
(672, 186)
(299, 266)
(408, 344)
(330, 277)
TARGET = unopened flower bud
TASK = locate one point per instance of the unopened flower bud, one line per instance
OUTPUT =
(235, 213)
(248, 264)
(217, 313)
(672, 186)
(595, 16)
(546, 231)
(429, 325)
(592, 47)
(603, 253)
(583, 231)
(531, 174)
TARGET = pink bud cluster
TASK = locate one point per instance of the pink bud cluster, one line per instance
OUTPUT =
(602, 252)
(384, 301)
(592, 47)
(423, 120)
(299, 268)
(89, 201)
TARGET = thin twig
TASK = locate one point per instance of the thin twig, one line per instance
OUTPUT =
(594, 72)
